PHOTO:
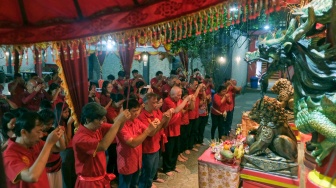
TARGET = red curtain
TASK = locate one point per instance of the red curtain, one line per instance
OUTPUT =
(74, 63)
(184, 58)
(126, 52)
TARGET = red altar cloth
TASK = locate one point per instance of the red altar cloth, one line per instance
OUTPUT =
(213, 173)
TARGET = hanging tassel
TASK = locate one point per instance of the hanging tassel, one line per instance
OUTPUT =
(205, 22)
(190, 27)
(170, 33)
(278, 6)
(255, 11)
(212, 20)
(200, 18)
(175, 32)
(181, 31)
(13, 58)
(165, 34)
(196, 26)
(222, 17)
(244, 11)
(239, 13)
(260, 7)
(185, 28)
(266, 7)
(228, 23)
(217, 19)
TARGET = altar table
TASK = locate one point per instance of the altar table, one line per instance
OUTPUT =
(214, 174)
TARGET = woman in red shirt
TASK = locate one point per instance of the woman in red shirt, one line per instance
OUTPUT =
(106, 101)
(220, 106)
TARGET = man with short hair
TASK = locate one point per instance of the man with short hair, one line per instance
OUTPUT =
(33, 95)
(157, 82)
(151, 145)
(173, 129)
(129, 144)
(26, 155)
(90, 143)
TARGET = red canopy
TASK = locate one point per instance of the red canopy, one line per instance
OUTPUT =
(49, 20)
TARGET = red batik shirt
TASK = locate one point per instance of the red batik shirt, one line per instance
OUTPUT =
(17, 158)
(152, 143)
(173, 128)
(193, 114)
(129, 159)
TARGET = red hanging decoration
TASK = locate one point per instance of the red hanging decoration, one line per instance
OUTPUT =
(266, 7)
(221, 17)
(185, 28)
(245, 10)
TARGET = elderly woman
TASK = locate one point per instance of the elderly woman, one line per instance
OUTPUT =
(7, 129)
(220, 106)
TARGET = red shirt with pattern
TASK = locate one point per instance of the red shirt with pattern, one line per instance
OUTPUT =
(17, 158)
(152, 143)
(89, 162)
(129, 159)
(173, 128)
(193, 114)
(218, 105)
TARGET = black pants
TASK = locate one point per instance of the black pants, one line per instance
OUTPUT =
(171, 153)
(203, 121)
(221, 123)
(183, 137)
(193, 123)
(229, 118)
(112, 162)
(68, 168)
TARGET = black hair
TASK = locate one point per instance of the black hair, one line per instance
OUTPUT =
(104, 87)
(131, 91)
(92, 111)
(45, 104)
(132, 103)
(135, 71)
(158, 73)
(20, 111)
(207, 76)
(47, 115)
(110, 77)
(59, 108)
(92, 84)
(143, 91)
(26, 121)
(52, 87)
(116, 97)
(139, 83)
(221, 88)
(121, 73)
(196, 69)
(6, 118)
(184, 92)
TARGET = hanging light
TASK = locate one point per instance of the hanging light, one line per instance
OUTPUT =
(221, 59)
(238, 59)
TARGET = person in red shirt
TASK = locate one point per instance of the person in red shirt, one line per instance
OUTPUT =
(129, 144)
(106, 101)
(54, 163)
(16, 89)
(221, 101)
(203, 116)
(90, 142)
(55, 92)
(151, 145)
(173, 129)
(194, 89)
(233, 89)
(185, 128)
(120, 83)
(157, 82)
(94, 96)
(26, 155)
(33, 96)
